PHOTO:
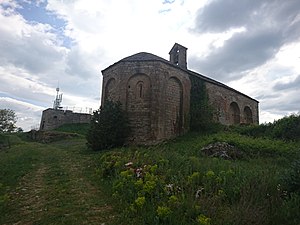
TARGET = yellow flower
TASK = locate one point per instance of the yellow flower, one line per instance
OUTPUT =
(203, 220)
(210, 173)
(140, 201)
(163, 212)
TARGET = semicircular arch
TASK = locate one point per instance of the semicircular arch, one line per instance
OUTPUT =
(174, 107)
(110, 89)
(248, 115)
(235, 117)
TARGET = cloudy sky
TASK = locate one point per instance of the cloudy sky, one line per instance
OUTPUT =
(250, 45)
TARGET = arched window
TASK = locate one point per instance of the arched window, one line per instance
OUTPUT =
(140, 89)
(248, 115)
(110, 89)
(174, 107)
(138, 106)
(234, 113)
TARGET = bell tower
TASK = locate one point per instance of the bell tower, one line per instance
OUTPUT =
(178, 56)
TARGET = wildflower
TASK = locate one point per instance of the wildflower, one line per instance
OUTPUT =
(203, 220)
(198, 192)
(218, 179)
(278, 187)
(173, 200)
(140, 201)
(138, 172)
(210, 173)
(149, 186)
(169, 188)
(139, 183)
(129, 164)
(126, 173)
(221, 193)
(178, 189)
(132, 208)
(153, 168)
(163, 212)
(195, 176)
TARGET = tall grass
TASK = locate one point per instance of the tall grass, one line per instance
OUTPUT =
(174, 183)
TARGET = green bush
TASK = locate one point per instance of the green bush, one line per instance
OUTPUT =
(4, 141)
(286, 128)
(109, 127)
(291, 179)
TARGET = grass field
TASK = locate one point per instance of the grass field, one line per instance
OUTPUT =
(171, 183)
(51, 184)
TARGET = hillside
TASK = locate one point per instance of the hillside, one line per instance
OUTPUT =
(63, 182)
(52, 183)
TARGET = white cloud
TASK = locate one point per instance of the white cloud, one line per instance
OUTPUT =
(28, 115)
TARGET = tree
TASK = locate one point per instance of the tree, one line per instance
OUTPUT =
(109, 127)
(8, 121)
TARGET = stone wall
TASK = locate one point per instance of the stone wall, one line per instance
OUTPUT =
(52, 118)
(231, 106)
(155, 95)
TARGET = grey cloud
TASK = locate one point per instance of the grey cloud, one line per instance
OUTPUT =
(269, 25)
(34, 52)
(221, 15)
(294, 85)
(291, 103)
(285, 100)
(77, 64)
(267, 96)
(242, 52)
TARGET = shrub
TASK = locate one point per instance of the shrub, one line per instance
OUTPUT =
(286, 128)
(109, 127)
(291, 179)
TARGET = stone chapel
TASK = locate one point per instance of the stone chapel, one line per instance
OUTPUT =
(155, 93)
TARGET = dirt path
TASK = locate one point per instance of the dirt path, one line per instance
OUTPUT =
(61, 190)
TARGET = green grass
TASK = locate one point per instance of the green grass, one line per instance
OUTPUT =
(245, 191)
(51, 184)
(171, 183)
(78, 128)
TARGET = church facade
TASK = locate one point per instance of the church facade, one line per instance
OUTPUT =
(156, 94)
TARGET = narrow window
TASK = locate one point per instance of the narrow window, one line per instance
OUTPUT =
(141, 90)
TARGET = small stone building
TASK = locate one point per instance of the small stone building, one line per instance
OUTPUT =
(54, 118)
(156, 95)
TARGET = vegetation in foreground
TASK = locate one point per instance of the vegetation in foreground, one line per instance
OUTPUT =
(175, 183)
(171, 183)
(53, 183)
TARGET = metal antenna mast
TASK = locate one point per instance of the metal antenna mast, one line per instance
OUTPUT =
(58, 100)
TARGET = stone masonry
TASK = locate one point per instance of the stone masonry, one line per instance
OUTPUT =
(54, 118)
(156, 95)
